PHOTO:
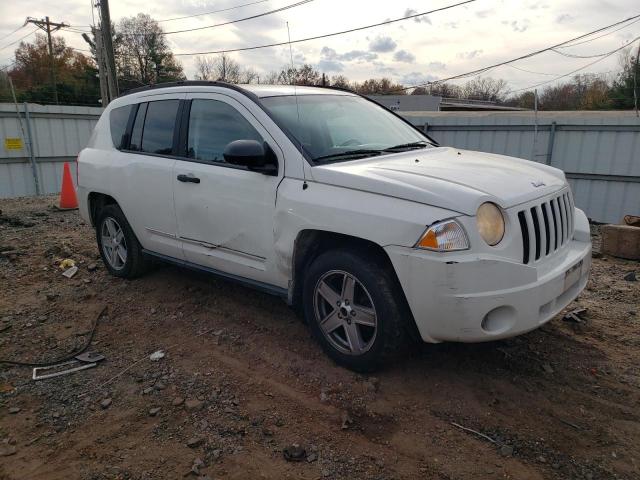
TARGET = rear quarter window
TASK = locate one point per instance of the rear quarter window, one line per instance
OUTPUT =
(118, 119)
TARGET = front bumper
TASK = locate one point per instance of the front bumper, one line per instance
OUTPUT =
(467, 297)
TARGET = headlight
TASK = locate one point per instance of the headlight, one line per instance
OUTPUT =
(446, 236)
(490, 223)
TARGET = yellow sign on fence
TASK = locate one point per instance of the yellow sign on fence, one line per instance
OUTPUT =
(13, 143)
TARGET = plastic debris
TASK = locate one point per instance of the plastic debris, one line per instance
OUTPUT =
(157, 355)
(70, 272)
(67, 263)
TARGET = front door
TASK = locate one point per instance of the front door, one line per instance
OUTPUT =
(224, 212)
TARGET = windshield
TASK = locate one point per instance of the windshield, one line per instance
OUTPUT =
(342, 127)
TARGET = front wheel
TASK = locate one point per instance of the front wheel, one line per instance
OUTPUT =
(119, 248)
(354, 309)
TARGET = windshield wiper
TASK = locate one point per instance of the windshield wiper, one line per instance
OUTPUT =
(360, 153)
(408, 146)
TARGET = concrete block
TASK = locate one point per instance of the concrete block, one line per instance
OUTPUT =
(621, 241)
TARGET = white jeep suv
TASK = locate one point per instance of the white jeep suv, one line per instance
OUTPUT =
(354, 216)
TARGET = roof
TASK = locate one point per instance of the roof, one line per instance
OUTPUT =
(260, 91)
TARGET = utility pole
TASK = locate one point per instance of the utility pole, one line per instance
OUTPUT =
(107, 48)
(49, 27)
(102, 74)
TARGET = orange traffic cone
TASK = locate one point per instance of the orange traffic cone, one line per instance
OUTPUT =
(68, 198)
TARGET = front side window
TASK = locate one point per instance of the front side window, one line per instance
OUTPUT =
(342, 127)
(159, 123)
(212, 126)
(118, 119)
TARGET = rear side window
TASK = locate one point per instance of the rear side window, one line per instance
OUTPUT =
(159, 123)
(212, 126)
(118, 119)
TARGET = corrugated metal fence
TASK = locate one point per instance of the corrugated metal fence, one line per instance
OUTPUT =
(57, 134)
(599, 151)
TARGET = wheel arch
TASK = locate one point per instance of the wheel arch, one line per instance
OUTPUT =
(96, 202)
(310, 243)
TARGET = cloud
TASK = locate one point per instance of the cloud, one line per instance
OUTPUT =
(416, 78)
(325, 65)
(404, 56)
(382, 68)
(382, 44)
(436, 66)
(564, 18)
(484, 13)
(469, 55)
(357, 55)
(517, 25)
(422, 19)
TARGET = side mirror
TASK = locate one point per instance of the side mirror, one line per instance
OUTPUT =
(252, 154)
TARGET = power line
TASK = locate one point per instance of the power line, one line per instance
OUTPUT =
(578, 69)
(603, 35)
(279, 44)
(252, 17)
(11, 33)
(522, 57)
(529, 71)
(572, 55)
(212, 12)
(20, 39)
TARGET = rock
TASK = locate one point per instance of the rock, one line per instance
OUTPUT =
(346, 420)
(548, 368)
(193, 404)
(159, 386)
(631, 277)
(154, 411)
(14, 410)
(177, 401)
(92, 267)
(294, 453)
(541, 459)
(7, 450)
(312, 457)
(105, 403)
(153, 311)
(195, 442)
(372, 385)
(147, 390)
(506, 450)
(621, 241)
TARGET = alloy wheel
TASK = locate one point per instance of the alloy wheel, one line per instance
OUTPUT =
(345, 312)
(114, 245)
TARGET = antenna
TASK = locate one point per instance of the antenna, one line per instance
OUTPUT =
(295, 94)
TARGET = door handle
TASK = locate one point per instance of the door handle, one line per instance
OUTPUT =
(188, 179)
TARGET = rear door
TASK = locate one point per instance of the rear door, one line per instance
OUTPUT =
(225, 220)
(144, 180)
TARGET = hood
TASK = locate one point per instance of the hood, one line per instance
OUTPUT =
(458, 180)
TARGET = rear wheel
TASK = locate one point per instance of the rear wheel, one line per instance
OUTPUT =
(119, 248)
(353, 307)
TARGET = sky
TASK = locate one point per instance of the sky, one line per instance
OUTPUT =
(412, 51)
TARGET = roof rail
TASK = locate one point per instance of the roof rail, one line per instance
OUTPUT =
(184, 83)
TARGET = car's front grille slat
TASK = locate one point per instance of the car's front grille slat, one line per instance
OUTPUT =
(546, 227)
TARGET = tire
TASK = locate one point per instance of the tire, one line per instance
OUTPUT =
(127, 263)
(376, 291)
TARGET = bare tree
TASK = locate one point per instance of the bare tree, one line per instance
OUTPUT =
(486, 88)
(221, 67)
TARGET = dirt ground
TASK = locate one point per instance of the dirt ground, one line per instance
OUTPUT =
(242, 381)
